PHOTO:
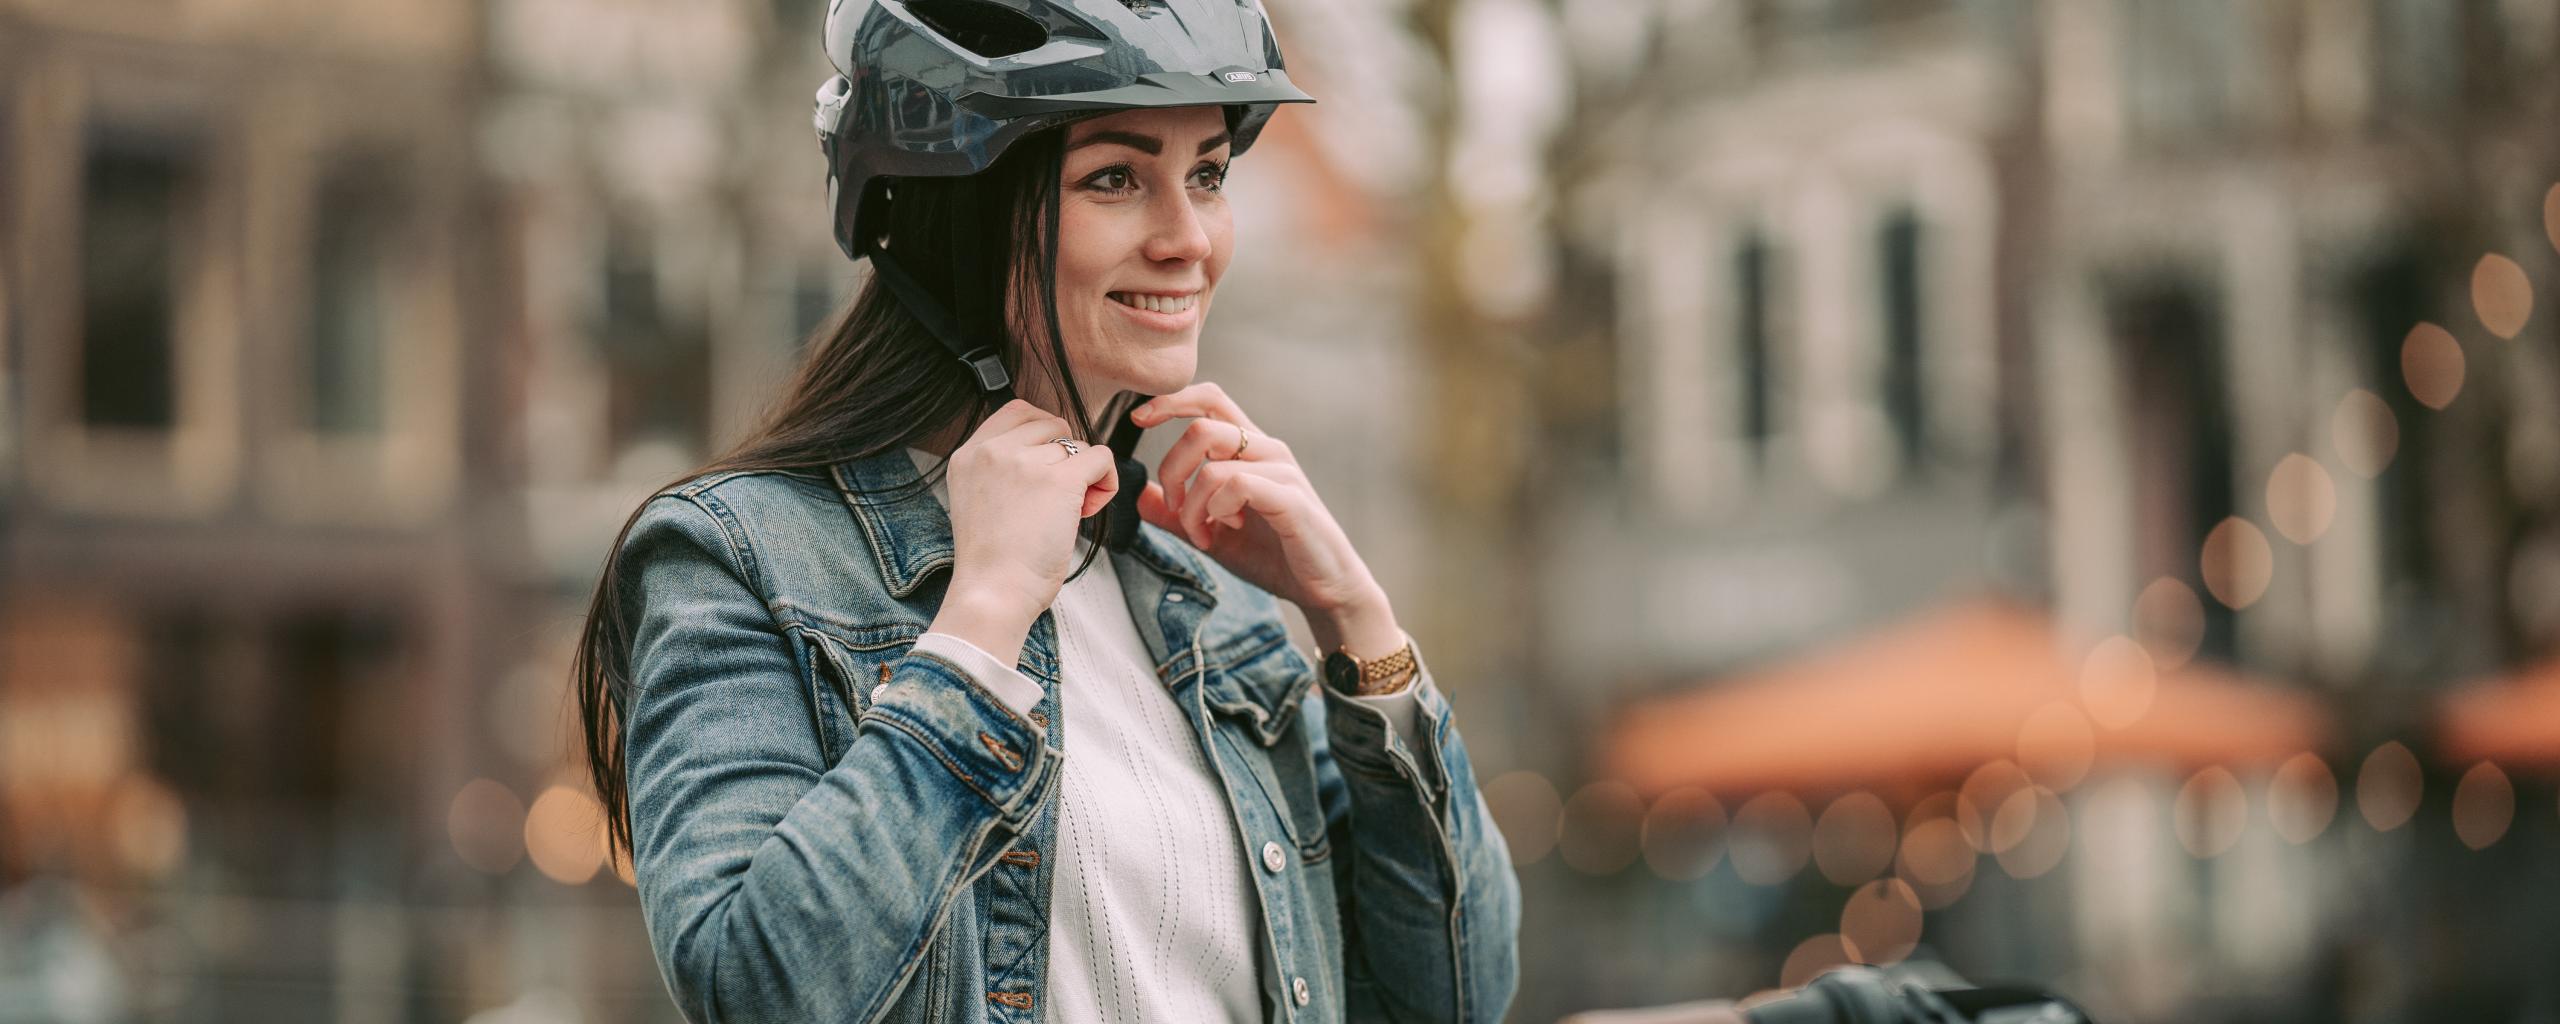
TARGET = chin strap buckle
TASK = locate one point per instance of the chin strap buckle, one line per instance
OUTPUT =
(989, 366)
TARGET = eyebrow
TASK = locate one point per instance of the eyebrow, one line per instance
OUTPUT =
(1148, 144)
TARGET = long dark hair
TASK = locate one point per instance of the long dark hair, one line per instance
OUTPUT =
(874, 381)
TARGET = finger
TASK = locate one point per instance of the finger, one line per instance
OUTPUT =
(1205, 400)
(1005, 419)
(1099, 472)
(1036, 431)
(1195, 521)
(1275, 500)
(1215, 476)
(1153, 510)
(1199, 443)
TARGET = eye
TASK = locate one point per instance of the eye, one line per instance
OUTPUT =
(1115, 178)
(1211, 176)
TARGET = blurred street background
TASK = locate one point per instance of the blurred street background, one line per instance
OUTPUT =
(2065, 490)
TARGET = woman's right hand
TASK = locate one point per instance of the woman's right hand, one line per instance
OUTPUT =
(1016, 499)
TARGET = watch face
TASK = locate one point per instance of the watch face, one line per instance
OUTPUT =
(1341, 672)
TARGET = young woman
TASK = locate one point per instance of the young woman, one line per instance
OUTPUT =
(896, 726)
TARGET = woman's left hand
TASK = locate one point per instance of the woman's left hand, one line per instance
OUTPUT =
(1256, 514)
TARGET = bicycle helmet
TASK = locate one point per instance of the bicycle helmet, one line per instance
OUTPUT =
(940, 88)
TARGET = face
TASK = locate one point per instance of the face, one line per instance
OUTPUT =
(1143, 236)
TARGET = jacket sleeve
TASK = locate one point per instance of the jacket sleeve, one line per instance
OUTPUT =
(777, 887)
(1431, 908)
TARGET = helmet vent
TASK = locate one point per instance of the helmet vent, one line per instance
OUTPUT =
(980, 26)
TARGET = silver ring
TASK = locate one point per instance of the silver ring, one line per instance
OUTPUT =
(1073, 449)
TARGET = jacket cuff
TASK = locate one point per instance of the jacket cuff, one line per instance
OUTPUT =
(1018, 692)
(999, 754)
(1369, 742)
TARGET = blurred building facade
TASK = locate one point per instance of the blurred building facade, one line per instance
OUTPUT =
(2112, 308)
(251, 506)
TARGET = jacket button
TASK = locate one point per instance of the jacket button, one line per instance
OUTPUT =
(1298, 990)
(1175, 596)
(1272, 859)
(879, 691)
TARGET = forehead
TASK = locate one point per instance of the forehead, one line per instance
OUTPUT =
(1182, 126)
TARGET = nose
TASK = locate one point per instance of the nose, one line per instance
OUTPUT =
(1176, 234)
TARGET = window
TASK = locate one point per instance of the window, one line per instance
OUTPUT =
(1904, 399)
(2170, 346)
(2391, 297)
(2417, 55)
(2184, 67)
(132, 199)
(344, 362)
(1751, 330)
(660, 364)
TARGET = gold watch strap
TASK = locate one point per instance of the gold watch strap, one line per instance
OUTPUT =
(1387, 674)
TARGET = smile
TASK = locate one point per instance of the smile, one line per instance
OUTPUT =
(1157, 303)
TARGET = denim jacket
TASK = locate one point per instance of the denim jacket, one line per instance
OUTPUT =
(829, 827)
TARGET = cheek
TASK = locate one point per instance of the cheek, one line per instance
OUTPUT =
(1221, 226)
(1087, 249)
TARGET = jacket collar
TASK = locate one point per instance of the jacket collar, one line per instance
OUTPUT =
(910, 532)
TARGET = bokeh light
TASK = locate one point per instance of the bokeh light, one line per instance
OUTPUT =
(1881, 922)
(486, 824)
(2301, 498)
(1981, 796)
(561, 835)
(2056, 746)
(2388, 786)
(2168, 620)
(1854, 839)
(2118, 680)
(1772, 836)
(2238, 563)
(2302, 798)
(1935, 858)
(1812, 957)
(1528, 810)
(2484, 804)
(2365, 432)
(2501, 295)
(2431, 363)
(1601, 823)
(2551, 215)
(1684, 834)
(2211, 812)
(2033, 827)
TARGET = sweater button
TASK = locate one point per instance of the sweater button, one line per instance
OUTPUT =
(1298, 990)
(1272, 859)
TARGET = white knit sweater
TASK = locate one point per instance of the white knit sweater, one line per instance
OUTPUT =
(1152, 914)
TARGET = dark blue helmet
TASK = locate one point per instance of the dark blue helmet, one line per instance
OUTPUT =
(939, 88)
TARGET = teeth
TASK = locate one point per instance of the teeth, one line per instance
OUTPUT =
(1155, 303)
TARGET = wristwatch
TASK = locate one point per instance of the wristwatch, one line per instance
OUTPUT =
(1374, 677)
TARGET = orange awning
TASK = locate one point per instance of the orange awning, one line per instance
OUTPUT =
(1926, 701)
(2514, 720)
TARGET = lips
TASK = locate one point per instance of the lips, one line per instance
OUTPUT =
(1157, 303)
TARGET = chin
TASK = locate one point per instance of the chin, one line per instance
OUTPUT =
(1163, 372)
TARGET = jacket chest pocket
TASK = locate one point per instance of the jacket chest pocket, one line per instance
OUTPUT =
(1271, 740)
(843, 675)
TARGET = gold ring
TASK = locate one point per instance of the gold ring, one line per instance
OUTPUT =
(1244, 439)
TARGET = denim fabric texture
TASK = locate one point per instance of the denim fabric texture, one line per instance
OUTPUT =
(831, 827)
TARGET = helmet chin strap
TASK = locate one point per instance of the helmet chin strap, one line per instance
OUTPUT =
(984, 360)
(985, 363)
